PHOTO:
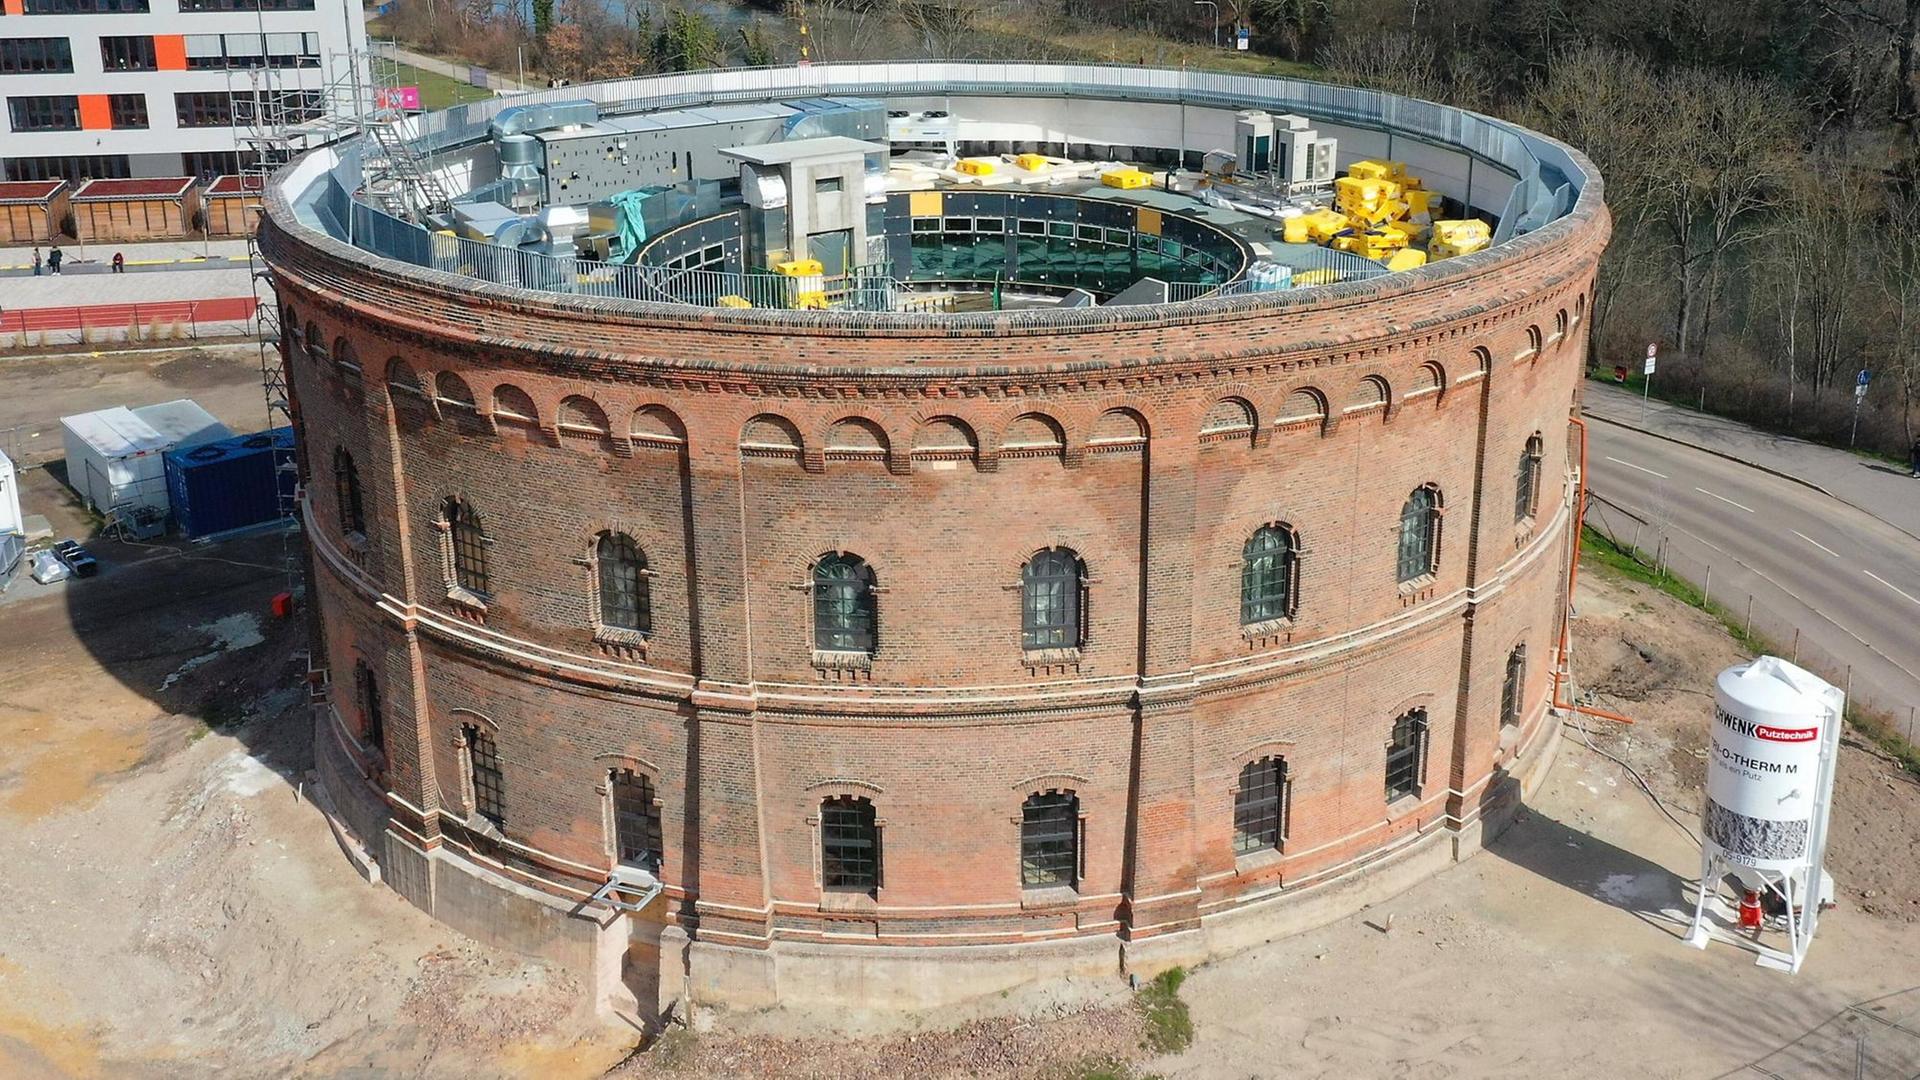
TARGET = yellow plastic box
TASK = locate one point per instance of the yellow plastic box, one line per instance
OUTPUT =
(1125, 178)
(1033, 162)
(1377, 170)
(734, 302)
(1463, 231)
(1409, 259)
(1297, 230)
(1323, 224)
(800, 268)
(974, 166)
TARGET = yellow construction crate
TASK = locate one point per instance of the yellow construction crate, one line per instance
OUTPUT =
(975, 166)
(1296, 230)
(1409, 259)
(1377, 170)
(734, 302)
(1322, 225)
(1374, 215)
(800, 268)
(1419, 201)
(811, 301)
(1357, 191)
(1033, 162)
(1409, 229)
(1460, 232)
(1125, 178)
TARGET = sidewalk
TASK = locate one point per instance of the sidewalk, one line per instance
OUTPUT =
(462, 72)
(1874, 487)
(97, 258)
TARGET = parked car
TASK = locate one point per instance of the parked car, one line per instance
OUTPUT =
(76, 557)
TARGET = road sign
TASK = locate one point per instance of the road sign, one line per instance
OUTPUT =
(1865, 377)
(1652, 351)
(1240, 39)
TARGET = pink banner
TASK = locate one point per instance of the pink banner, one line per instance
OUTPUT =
(400, 97)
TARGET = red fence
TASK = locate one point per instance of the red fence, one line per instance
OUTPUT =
(180, 316)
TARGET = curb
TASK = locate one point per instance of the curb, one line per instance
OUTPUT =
(1738, 460)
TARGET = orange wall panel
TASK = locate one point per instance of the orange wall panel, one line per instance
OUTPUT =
(96, 114)
(14, 7)
(169, 51)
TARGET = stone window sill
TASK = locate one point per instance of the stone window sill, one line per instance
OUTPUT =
(1056, 896)
(1418, 588)
(842, 660)
(1049, 657)
(1402, 806)
(467, 598)
(848, 901)
(1267, 629)
(1523, 531)
(357, 543)
(482, 824)
(619, 642)
(1252, 862)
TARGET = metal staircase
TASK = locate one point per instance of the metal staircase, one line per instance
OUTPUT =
(400, 180)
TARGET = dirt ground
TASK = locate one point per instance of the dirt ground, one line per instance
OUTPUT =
(175, 908)
(35, 392)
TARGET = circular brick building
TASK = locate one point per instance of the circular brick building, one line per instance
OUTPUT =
(895, 657)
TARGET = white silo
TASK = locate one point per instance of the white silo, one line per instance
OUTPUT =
(1773, 741)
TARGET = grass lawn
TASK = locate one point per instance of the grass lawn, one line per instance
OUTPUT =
(438, 91)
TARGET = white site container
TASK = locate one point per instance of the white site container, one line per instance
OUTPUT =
(11, 519)
(114, 456)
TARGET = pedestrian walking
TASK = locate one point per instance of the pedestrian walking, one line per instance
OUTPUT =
(54, 257)
(1913, 460)
(36, 260)
(119, 263)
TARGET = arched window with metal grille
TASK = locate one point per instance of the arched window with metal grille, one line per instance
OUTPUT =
(1050, 840)
(1260, 806)
(1267, 575)
(1052, 595)
(843, 604)
(849, 845)
(1513, 687)
(372, 713)
(636, 819)
(1526, 479)
(624, 600)
(469, 542)
(1420, 533)
(483, 767)
(346, 493)
(1407, 755)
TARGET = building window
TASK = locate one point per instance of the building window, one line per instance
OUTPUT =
(849, 845)
(74, 169)
(373, 718)
(208, 164)
(1513, 687)
(469, 546)
(246, 5)
(24, 55)
(128, 53)
(483, 758)
(346, 492)
(636, 820)
(1420, 534)
(623, 584)
(1526, 480)
(1051, 587)
(203, 108)
(1407, 755)
(48, 112)
(843, 604)
(128, 110)
(1050, 840)
(1260, 806)
(1266, 575)
(84, 7)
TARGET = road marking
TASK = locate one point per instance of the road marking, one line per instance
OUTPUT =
(1892, 586)
(1642, 468)
(1724, 499)
(1814, 542)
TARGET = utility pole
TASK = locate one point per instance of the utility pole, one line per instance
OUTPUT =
(1215, 8)
(1646, 384)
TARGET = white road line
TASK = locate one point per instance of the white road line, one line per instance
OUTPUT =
(1892, 586)
(1814, 542)
(1642, 468)
(1724, 499)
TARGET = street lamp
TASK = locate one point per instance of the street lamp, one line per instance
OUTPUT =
(1216, 18)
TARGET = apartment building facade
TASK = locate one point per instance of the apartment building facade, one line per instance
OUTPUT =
(150, 88)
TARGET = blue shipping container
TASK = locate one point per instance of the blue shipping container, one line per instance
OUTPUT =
(229, 484)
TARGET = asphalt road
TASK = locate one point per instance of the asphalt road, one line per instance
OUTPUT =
(1848, 582)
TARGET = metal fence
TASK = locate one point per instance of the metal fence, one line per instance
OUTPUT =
(108, 324)
(1768, 611)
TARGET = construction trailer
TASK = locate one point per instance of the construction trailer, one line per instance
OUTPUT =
(116, 458)
(34, 211)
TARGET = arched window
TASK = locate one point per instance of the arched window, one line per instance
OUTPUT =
(1560, 324)
(316, 343)
(1050, 588)
(483, 765)
(1420, 533)
(849, 845)
(1513, 687)
(346, 493)
(1526, 480)
(373, 717)
(1533, 341)
(636, 820)
(1260, 806)
(624, 603)
(469, 544)
(843, 608)
(1266, 575)
(1050, 840)
(1407, 755)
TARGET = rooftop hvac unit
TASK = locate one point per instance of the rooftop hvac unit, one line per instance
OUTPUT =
(1304, 157)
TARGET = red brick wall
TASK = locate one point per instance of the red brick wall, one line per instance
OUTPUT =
(950, 730)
